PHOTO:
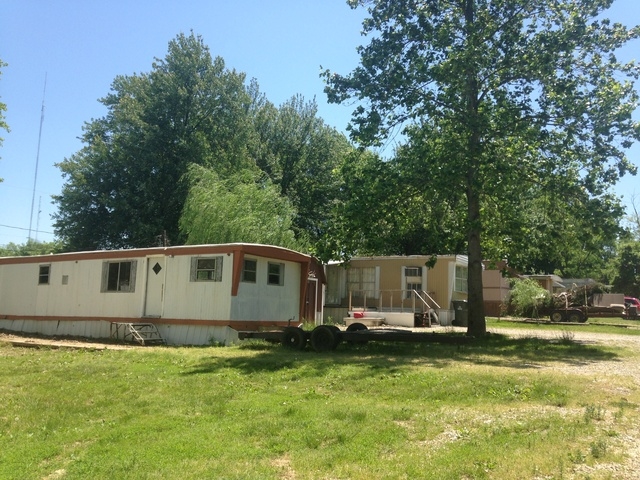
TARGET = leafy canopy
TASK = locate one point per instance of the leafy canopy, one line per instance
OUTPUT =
(242, 208)
(124, 189)
(128, 185)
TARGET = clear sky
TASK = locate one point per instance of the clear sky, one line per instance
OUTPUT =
(80, 46)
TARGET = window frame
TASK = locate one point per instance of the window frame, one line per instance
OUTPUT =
(272, 275)
(413, 272)
(411, 287)
(44, 278)
(250, 275)
(212, 274)
(362, 281)
(461, 279)
(122, 285)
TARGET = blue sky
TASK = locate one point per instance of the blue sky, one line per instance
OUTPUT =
(82, 45)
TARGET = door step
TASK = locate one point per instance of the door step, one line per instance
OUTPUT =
(142, 333)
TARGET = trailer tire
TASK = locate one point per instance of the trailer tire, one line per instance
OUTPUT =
(323, 338)
(294, 337)
(575, 316)
(337, 334)
(357, 327)
(557, 316)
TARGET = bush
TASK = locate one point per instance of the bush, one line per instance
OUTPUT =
(527, 297)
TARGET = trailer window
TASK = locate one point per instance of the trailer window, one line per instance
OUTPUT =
(461, 279)
(413, 271)
(275, 274)
(361, 281)
(411, 287)
(119, 276)
(249, 271)
(43, 275)
(207, 269)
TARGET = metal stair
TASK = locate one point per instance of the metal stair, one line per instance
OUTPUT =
(142, 333)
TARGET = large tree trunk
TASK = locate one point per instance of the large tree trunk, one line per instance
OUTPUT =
(477, 323)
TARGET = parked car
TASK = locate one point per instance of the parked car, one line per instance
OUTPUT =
(632, 302)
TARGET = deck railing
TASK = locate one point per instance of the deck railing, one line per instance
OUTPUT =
(393, 301)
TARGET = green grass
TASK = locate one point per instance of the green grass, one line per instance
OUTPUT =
(594, 325)
(258, 411)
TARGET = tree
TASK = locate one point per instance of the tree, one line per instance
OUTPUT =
(30, 248)
(302, 157)
(517, 92)
(627, 278)
(571, 235)
(385, 209)
(527, 297)
(3, 108)
(242, 208)
(124, 188)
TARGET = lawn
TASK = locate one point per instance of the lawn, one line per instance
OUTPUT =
(495, 409)
(594, 325)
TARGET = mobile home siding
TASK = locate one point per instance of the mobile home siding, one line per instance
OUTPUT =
(22, 295)
(197, 300)
(261, 301)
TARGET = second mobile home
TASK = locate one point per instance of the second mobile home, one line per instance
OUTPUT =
(396, 287)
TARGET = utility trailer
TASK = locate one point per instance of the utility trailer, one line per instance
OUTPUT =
(327, 337)
(569, 314)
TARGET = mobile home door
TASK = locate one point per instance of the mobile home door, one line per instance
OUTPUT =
(155, 286)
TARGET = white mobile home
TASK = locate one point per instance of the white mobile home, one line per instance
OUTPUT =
(192, 294)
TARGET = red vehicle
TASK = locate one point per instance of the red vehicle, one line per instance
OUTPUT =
(632, 302)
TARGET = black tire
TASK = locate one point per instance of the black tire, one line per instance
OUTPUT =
(323, 338)
(357, 327)
(557, 316)
(294, 337)
(575, 316)
(338, 335)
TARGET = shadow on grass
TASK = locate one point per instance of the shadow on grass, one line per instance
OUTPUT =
(494, 350)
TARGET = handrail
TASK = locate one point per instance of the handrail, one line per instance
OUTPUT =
(426, 294)
(362, 296)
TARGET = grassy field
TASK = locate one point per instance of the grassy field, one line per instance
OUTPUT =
(492, 410)
(594, 325)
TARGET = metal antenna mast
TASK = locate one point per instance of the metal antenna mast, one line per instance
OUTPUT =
(38, 217)
(35, 177)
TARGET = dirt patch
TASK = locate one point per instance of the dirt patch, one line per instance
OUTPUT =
(37, 341)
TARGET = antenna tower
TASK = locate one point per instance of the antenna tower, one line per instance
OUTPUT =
(35, 177)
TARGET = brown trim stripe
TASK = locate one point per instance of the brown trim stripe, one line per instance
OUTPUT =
(235, 324)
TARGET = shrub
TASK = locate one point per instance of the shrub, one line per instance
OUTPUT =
(527, 297)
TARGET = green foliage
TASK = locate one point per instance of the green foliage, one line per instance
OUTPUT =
(564, 232)
(242, 208)
(123, 188)
(30, 248)
(507, 98)
(627, 275)
(128, 185)
(526, 297)
(302, 156)
(386, 210)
